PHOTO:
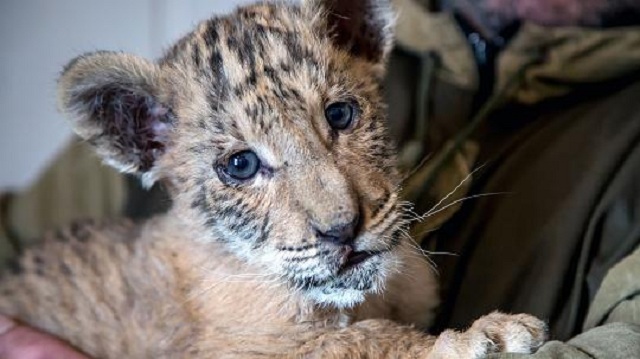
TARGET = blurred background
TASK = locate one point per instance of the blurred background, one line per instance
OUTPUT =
(38, 37)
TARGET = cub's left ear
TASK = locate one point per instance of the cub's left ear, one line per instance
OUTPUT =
(113, 102)
(362, 27)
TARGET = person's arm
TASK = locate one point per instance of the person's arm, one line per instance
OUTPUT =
(613, 323)
(610, 341)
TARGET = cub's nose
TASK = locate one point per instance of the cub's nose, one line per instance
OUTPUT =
(340, 234)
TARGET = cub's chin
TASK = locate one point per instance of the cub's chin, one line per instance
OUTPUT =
(353, 283)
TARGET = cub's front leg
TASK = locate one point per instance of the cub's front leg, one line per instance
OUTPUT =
(493, 333)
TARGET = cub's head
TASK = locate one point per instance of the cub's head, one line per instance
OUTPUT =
(267, 127)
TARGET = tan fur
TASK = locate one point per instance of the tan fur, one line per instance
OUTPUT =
(237, 269)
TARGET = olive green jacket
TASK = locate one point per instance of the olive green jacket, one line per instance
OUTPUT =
(586, 81)
(612, 326)
(77, 185)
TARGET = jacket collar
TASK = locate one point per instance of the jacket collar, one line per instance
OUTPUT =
(551, 61)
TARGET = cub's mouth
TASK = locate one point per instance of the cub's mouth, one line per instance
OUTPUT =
(354, 258)
(343, 274)
(356, 273)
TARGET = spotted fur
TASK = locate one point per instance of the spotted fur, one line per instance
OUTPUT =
(237, 268)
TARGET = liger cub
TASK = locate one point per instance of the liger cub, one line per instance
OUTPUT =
(286, 234)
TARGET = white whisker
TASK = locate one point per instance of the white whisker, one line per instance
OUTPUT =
(431, 213)
(455, 189)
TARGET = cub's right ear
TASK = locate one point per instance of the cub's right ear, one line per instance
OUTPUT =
(112, 101)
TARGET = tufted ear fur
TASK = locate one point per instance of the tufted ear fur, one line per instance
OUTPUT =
(112, 102)
(362, 27)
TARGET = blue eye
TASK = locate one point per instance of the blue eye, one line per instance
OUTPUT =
(243, 165)
(339, 115)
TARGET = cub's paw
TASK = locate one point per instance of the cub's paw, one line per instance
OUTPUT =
(493, 333)
(506, 333)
